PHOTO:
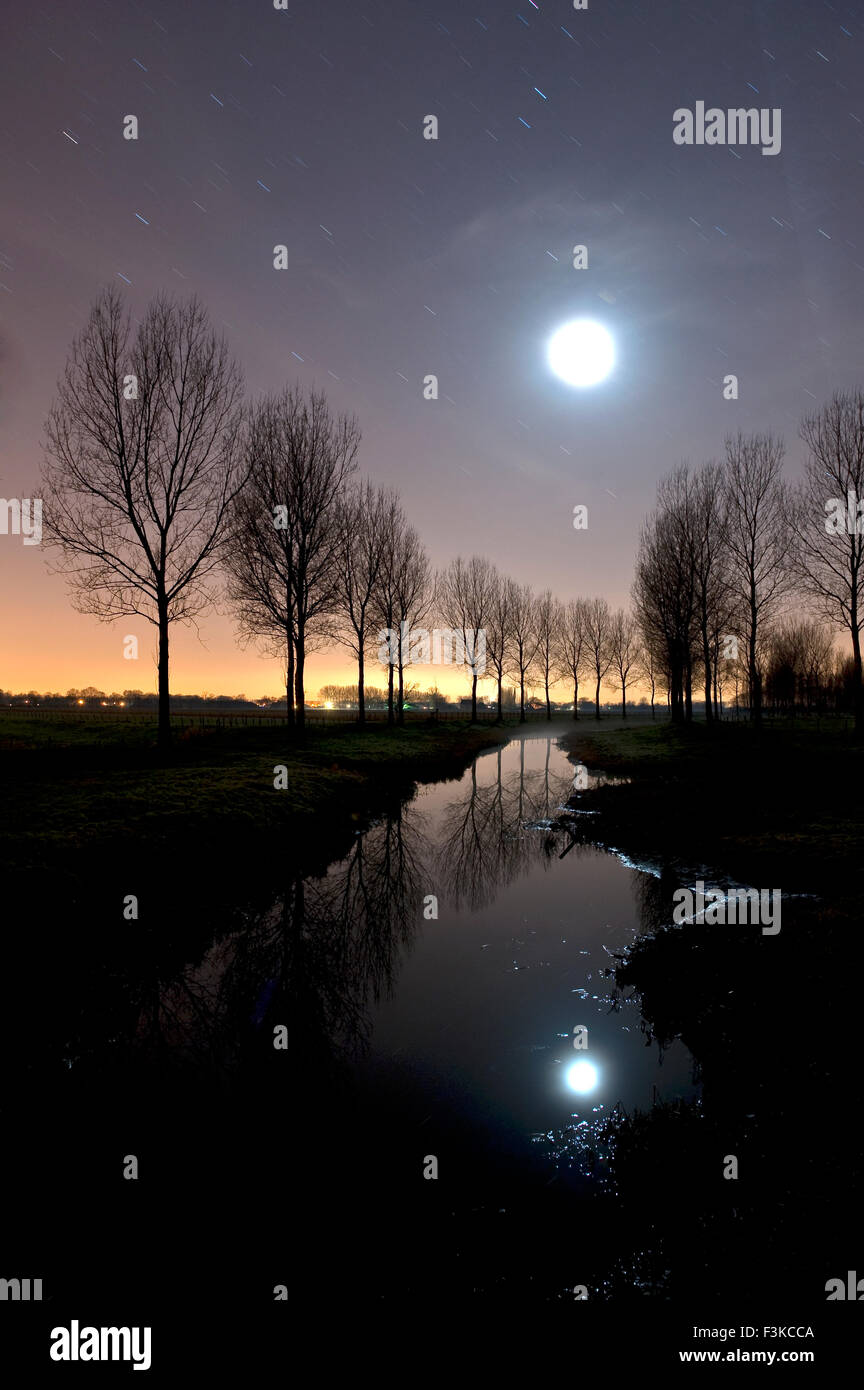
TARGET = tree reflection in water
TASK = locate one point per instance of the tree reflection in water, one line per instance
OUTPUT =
(312, 960)
(328, 946)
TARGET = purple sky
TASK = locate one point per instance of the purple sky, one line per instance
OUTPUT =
(452, 257)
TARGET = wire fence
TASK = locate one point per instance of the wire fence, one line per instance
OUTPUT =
(261, 718)
(816, 720)
(234, 718)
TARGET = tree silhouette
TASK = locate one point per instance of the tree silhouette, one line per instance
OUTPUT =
(143, 463)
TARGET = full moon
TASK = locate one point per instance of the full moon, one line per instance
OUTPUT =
(581, 353)
(582, 1077)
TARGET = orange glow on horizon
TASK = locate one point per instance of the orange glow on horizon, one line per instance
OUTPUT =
(49, 647)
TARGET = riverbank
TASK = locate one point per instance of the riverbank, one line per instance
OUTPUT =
(779, 805)
(774, 808)
(73, 793)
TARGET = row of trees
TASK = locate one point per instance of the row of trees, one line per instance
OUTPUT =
(803, 673)
(164, 492)
(730, 549)
(382, 696)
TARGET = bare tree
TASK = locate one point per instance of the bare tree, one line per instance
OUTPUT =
(799, 661)
(664, 589)
(385, 605)
(414, 598)
(676, 503)
(707, 524)
(321, 452)
(690, 520)
(521, 606)
(572, 644)
(624, 650)
(817, 660)
(548, 613)
(498, 635)
(363, 512)
(142, 467)
(282, 563)
(598, 633)
(828, 559)
(258, 563)
(757, 538)
(649, 668)
(465, 595)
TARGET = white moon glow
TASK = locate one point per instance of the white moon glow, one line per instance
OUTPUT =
(581, 353)
(582, 1077)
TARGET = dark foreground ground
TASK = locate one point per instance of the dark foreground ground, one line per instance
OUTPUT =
(772, 1020)
(73, 789)
(260, 1168)
(782, 803)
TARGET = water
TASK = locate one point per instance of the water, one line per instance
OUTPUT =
(417, 1138)
(411, 1037)
(487, 996)
(444, 1043)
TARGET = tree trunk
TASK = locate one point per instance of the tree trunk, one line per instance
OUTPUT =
(706, 657)
(597, 698)
(400, 713)
(361, 690)
(856, 661)
(474, 698)
(548, 702)
(164, 734)
(752, 670)
(521, 697)
(676, 695)
(390, 719)
(289, 682)
(290, 653)
(299, 676)
(575, 698)
(500, 719)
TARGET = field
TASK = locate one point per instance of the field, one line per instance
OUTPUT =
(77, 786)
(782, 802)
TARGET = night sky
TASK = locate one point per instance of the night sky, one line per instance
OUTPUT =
(410, 256)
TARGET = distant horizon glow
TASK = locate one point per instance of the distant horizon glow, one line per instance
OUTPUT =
(581, 353)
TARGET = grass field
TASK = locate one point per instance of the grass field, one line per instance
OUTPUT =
(783, 801)
(73, 786)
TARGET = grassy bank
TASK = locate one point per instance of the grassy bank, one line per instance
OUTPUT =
(73, 789)
(780, 804)
(777, 807)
